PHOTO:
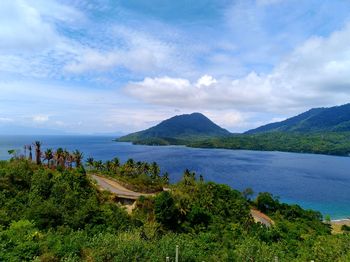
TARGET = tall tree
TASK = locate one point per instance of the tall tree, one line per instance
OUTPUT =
(13, 153)
(69, 159)
(58, 156)
(130, 163)
(66, 155)
(90, 162)
(30, 157)
(37, 145)
(155, 170)
(98, 165)
(25, 151)
(48, 155)
(109, 165)
(165, 178)
(189, 177)
(78, 157)
(116, 163)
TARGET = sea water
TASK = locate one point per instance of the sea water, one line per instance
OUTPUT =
(317, 182)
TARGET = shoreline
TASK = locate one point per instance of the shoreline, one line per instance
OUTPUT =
(237, 149)
(340, 221)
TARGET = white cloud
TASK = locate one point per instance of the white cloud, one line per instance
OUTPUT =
(214, 94)
(315, 74)
(92, 60)
(131, 49)
(40, 118)
(229, 119)
(206, 80)
(23, 28)
(188, 67)
(32, 42)
(62, 13)
(6, 120)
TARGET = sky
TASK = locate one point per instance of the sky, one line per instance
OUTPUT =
(113, 67)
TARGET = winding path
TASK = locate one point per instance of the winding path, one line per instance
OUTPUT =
(261, 218)
(122, 192)
(117, 189)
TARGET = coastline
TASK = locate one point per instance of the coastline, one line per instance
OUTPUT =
(341, 221)
(200, 146)
(235, 149)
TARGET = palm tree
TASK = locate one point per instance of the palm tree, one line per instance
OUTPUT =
(98, 165)
(66, 155)
(13, 153)
(189, 177)
(25, 151)
(155, 170)
(108, 165)
(90, 162)
(58, 156)
(166, 178)
(30, 157)
(48, 155)
(116, 164)
(130, 163)
(37, 145)
(139, 166)
(146, 167)
(78, 156)
(69, 159)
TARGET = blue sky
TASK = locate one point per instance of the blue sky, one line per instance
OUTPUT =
(118, 66)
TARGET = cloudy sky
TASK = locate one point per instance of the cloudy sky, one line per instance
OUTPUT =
(109, 66)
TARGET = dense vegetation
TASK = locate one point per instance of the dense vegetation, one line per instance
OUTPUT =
(54, 212)
(331, 143)
(176, 130)
(333, 119)
(137, 176)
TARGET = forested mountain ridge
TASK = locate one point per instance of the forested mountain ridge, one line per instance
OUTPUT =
(318, 130)
(332, 119)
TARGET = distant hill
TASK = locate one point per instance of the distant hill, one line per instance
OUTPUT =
(319, 130)
(176, 130)
(332, 119)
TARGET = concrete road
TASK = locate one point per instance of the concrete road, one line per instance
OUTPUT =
(117, 189)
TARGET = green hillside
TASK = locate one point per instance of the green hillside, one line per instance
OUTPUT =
(55, 212)
(319, 130)
(328, 143)
(177, 130)
(333, 119)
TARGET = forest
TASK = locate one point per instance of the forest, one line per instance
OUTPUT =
(51, 210)
(328, 143)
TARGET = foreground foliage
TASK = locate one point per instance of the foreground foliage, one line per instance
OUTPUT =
(51, 214)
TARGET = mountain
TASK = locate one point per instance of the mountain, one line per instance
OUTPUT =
(177, 129)
(332, 119)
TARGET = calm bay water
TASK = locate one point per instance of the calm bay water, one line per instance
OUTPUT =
(313, 181)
